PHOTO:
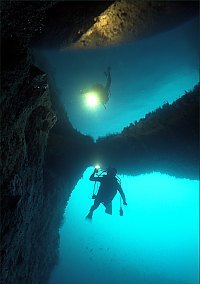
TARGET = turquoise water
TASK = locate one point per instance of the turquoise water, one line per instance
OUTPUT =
(156, 241)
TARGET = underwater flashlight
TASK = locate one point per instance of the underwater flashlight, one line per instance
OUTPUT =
(92, 99)
(96, 168)
(94, 196)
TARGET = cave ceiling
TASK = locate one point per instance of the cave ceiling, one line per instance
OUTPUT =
(126, 20)
(91, 24)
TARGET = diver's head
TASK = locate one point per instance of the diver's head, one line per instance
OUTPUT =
(111, 171)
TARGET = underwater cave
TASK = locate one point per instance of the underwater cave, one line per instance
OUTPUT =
(113, 83)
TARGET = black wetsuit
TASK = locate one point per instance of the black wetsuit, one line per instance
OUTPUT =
(103, 92)
(107, 191)
(108, 188)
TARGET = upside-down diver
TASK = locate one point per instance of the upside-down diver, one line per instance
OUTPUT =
(102, 92)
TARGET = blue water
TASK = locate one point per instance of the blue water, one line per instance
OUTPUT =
(155, 242)
(145, 74)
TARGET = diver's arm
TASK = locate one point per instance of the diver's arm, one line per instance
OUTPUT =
(93, 178)
(122, 195)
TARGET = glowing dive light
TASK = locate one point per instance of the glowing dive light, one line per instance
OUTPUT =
(97, 167)
(92, 99)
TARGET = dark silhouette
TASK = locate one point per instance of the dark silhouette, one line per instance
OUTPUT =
(107, 191)
(102, 92)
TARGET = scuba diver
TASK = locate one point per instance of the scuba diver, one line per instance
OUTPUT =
(102, 92)
(107, 191)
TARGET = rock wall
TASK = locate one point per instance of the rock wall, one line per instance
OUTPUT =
(127, 20)
(33, 193)
(27, 117)
(166, 140)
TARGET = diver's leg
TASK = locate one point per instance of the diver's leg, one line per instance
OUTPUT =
(94, 207)
(108, 206)
(108, 83)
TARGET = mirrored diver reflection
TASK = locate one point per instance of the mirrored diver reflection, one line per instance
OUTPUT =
(109, 186)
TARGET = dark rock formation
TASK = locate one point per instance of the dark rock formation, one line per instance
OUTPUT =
(67, 21)
(33, 195)
(27, 117)
(40, 149)
(166, 140)
(127, 20)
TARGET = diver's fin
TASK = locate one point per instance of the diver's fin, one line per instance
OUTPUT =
(89, 216)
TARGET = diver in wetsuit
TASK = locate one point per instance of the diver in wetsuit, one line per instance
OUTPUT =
(103, 92)
(107, 191)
